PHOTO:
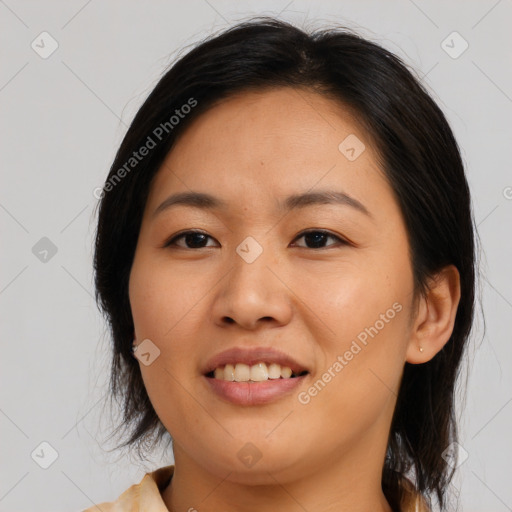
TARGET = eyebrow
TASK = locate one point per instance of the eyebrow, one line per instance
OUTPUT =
(208, 202)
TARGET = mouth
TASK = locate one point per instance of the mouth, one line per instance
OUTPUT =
(255, 364)
(253, 376)
(251, 393)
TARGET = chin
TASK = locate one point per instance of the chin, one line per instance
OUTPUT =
(256, 462)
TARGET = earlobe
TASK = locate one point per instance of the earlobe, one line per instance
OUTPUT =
(435, 318)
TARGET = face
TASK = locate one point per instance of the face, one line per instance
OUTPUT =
(319, 283)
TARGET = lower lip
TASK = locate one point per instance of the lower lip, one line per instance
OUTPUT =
(254, 393)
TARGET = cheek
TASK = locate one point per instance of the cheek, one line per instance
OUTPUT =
(161, 298)
(353, 295)
(364, 310)
(167, 309)
(356, 386)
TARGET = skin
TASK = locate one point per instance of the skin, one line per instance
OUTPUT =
(252, 151)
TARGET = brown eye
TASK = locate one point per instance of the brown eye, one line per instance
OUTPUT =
(316, 239)
(192, 240)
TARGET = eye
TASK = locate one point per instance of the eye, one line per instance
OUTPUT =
(317, 238)
(193, 240)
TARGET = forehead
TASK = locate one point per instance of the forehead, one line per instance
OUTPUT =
(271, 124)
(271, 143)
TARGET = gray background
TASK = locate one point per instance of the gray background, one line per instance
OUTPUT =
(62, 119)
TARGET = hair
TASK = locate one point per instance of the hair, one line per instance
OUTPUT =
(417, 153)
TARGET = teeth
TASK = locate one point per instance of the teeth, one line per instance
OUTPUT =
(286, 372)
(259, 372)
(242, 372)
(229, 372)
(274, 371)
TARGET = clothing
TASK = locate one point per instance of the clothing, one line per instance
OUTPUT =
(146, 496)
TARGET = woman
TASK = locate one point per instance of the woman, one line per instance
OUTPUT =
(285, 255)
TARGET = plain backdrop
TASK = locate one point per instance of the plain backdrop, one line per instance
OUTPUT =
(63, 115)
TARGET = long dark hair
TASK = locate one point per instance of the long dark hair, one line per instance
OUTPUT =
(418, 154)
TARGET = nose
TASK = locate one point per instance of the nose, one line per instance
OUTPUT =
(253, 294)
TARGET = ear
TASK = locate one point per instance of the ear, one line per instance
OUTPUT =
(435, 316)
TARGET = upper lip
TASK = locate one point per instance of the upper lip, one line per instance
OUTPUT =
(252, 356)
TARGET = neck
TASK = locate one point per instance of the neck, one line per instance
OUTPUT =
(347, 482)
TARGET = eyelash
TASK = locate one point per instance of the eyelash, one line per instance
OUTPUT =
(341, 241)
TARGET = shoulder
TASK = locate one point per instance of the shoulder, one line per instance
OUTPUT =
(146, 495)
(412, 501)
